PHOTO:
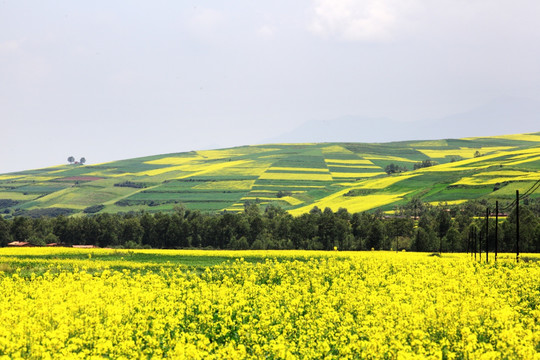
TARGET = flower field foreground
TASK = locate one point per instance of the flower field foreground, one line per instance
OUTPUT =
(286, 305)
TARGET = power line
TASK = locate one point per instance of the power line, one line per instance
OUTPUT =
(531, 190)
(527, 193)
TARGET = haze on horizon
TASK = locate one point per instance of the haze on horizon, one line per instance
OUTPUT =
(114, 80)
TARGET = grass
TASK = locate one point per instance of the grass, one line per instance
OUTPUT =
(28, 261)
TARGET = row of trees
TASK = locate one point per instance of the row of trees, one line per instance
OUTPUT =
(72, 160)
(395, 168)
(418, 227)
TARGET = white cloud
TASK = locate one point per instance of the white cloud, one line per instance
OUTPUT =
(266, 31)
(359, 20)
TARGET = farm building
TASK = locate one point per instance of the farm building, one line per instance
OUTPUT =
(19, 244)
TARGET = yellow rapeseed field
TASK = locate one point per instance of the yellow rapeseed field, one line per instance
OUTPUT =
(336, 149)
(450, 202)
(384, 182)
(519, 137)
(10, 177)
(530, 159)
(463, 152)
(351, 203)
(279, 305)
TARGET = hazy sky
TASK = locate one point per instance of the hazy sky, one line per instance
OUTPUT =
(109, 80)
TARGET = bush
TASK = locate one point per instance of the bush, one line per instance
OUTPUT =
(51, 238)
(132, 245)
(239, 244)
(131, 184)
(93, 209)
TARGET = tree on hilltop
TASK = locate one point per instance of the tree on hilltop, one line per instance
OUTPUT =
(82, 161)
(71, 159)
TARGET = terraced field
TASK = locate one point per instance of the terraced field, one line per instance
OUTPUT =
(293, 176)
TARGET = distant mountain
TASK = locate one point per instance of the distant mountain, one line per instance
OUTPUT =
(498, 117)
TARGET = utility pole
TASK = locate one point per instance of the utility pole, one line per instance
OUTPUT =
(468, 241)
(517, 225)
(487, 234)
(475, 247)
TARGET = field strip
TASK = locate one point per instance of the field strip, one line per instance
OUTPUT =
(449, 202)
(388, 158)
(518, 137)
(299, 177)
(343, 175)
(290, 186)
(378, 184)
(175, 160)
(226, 185)
(215, 167)
(10, 177)
(522, 161)
(359, 166)
(111, 202)
(351, 203)
(341, 162)
(336, 149)
(292, 169)
(462, 152)
(289, 199)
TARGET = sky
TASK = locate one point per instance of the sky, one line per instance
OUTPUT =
(109, 80)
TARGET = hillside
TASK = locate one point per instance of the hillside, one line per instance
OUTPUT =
(293, 176)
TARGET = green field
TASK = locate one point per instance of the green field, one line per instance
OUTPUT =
(293, 176)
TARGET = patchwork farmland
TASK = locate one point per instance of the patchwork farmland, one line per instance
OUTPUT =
(296, 177)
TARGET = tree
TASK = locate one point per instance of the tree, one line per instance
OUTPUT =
(453, 239)
(376, 236)
(444, 221)
(399, 228)
(82, 161)
(21, 228)
(422, 240)
(71, 159)
(393, 168)
(424, 164)
(5, 236)
(132, 231)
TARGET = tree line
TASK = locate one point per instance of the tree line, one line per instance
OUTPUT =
(414, 227)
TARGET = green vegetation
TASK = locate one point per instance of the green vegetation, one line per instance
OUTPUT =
(417, 227)
(295, 177)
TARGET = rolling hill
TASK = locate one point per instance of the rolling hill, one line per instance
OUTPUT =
(293, 176)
